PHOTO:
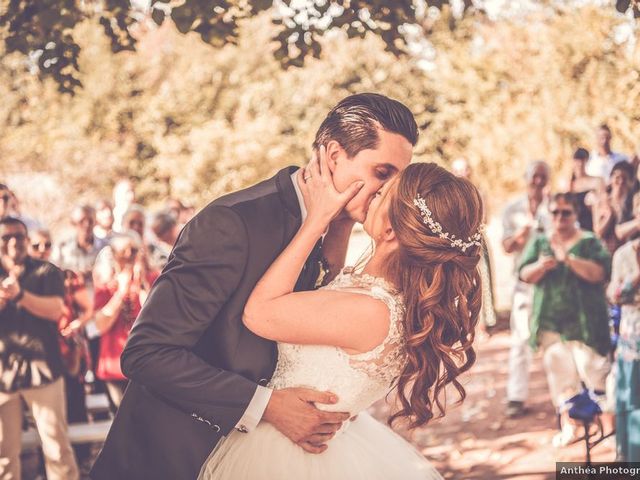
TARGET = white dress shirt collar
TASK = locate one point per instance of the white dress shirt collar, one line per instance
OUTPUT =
(303, 208)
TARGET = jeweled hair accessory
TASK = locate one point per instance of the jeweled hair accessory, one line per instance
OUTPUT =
(435, 227)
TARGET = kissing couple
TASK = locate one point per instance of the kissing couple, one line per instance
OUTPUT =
(256, 353)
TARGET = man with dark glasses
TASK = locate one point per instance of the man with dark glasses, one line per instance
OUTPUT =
(31, 367)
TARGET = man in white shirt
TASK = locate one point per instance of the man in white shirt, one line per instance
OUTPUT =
(522, 219)
(603, 159)
(79, 252)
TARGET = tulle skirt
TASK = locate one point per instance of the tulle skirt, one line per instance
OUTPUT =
(365, 450)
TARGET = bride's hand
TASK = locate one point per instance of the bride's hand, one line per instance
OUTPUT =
(322, 200)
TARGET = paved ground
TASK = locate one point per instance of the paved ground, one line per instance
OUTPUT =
(476, 441)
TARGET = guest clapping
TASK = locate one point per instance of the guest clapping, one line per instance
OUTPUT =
(31, 366)
(118, 301)
(569, 268)
(78, 308)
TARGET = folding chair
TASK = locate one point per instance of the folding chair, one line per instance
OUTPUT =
(583, 408)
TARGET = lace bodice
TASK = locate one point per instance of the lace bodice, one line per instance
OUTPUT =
(358, 380)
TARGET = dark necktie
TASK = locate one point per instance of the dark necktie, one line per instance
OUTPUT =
(311, 270)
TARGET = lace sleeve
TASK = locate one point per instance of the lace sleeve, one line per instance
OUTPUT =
(386, 361)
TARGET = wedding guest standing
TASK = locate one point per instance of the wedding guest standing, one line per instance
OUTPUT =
(523, 218)
(78, 309)
(104, 220)
(624, 289)
(604, 158)
(124, 196)
(31, 365)
(584, 187)
(166, 229)
(117, 303)
(174, 207)
(79, 252)
(41, 244)
(179, 210)
(569, 268)
(628, 221)
(613, 219)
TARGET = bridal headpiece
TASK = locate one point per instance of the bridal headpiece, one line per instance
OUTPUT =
(435, 227)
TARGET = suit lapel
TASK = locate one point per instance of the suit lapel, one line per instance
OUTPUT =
(289, 199)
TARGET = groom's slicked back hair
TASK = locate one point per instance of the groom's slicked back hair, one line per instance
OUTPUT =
(354, 122)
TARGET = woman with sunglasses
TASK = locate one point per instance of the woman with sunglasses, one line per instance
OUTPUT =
(119, 294)
(40, 244)
(569, 268)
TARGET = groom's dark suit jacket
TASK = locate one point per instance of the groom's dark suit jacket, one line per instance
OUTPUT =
(193, 365)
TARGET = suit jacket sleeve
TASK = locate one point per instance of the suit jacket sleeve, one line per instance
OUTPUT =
(203, 271)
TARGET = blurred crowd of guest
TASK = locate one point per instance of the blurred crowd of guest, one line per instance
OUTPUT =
(66, 308)
(577, 290)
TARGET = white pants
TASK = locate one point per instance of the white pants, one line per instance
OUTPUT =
(48, 407)
(520, 352)
(568, 363)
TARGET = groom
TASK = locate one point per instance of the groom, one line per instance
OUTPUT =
(196, 372)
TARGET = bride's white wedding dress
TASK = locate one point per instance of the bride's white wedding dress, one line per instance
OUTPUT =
(364, 449)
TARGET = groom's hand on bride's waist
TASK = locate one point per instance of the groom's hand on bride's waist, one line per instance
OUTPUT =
(292, 412)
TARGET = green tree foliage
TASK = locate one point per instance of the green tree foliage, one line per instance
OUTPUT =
(44, 29)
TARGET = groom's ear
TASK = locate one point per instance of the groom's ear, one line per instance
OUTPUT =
(334, 153)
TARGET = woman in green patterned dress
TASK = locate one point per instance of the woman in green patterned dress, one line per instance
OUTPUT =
(569, 268)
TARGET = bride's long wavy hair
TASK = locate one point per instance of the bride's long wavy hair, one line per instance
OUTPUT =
(440, 284)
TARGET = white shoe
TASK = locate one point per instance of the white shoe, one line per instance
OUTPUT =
(566, 436)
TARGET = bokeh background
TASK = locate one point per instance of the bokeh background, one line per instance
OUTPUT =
(193, 113)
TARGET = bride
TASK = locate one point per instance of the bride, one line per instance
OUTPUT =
(407, 321)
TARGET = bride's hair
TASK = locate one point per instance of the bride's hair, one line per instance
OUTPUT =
(440, 284)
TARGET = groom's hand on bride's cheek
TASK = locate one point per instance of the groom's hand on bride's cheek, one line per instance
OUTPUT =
(292, 412)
